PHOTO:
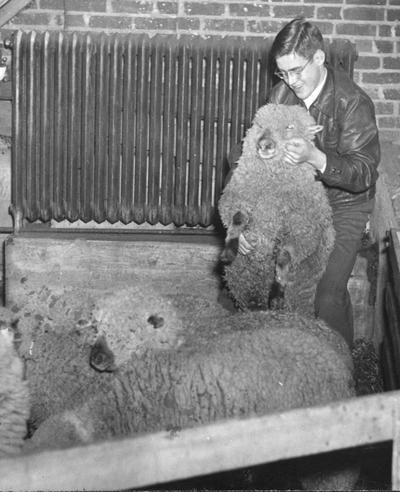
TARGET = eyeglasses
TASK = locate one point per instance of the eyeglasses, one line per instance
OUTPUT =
(295, 71)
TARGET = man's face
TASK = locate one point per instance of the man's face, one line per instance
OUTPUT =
(301, 74)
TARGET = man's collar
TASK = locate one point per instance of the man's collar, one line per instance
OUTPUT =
(316, 92)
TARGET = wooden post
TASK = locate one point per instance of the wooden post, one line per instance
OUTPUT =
(166, 456)
(396, 446)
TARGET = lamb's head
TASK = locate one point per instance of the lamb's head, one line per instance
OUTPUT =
(275, 124)
(130, 321)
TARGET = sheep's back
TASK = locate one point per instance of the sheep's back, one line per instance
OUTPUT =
(243, 371)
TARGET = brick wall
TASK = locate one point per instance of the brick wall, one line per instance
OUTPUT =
(374, 25)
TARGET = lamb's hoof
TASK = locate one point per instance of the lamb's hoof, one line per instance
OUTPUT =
(276, 300)
(257, 304)
(226, 301)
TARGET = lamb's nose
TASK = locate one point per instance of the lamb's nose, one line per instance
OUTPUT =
(266, 147)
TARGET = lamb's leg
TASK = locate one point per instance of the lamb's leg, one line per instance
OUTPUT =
(282, 277)
(283, 266)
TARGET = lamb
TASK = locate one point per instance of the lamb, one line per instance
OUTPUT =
(227, 366)
(73, 341)
(284, 213)
(14, 397)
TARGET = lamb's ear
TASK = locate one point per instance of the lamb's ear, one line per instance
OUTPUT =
(101, 356)
(313, 130)
(239, 223)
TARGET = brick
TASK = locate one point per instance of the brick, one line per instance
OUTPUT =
(74, 20)
(156, 23)
(356, 29)
(356, 77)
(291, 11)
(326, 28)
(366, 2)
(329, 13)
(384, 108)
(131, 7)
(250, 9)
(52, 4)
(391, 63)
(385, 31)
(30, 18)
(204, 8)
(263, 26)
(389, 122)
(366, 14)
(316, 2)
(373, 91)
(170, 8)
(389, 136)
(364, 45)
(110, 22)
(188, 23)
(368, 63)
(384, 46)
(87, 5)
(393, 15)
(228, 25)
(392, 94)
(381, 78)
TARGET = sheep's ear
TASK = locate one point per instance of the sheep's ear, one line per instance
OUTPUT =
(101, 357)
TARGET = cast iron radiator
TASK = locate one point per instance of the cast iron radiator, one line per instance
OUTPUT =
(131, 128)
(126, 127)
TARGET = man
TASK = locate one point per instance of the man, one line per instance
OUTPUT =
(345, 155)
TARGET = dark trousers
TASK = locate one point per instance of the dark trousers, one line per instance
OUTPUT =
(332, 299)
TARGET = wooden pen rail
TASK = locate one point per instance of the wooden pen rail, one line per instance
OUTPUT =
(163, 457)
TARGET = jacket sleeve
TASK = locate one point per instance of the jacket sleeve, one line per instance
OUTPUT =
(352, 166)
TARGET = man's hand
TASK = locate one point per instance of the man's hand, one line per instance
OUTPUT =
(244, 246)
(300, 150)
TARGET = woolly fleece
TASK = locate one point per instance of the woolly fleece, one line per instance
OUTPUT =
(233, 366)
(285, 206)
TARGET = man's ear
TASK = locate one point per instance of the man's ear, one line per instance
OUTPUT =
(319, 57)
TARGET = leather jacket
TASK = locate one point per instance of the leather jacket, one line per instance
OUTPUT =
(349, 137)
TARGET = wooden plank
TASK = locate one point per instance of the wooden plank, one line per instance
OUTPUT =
(165, 456)
(394, 260)
(382, 220)
(95, 265)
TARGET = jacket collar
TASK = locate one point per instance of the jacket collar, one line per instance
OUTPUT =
(325, 102)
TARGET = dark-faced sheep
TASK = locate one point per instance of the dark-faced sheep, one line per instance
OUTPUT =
(229, 366)
(282, 210)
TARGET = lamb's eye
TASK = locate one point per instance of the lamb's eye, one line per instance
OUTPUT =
(290, 127)
(156, 320)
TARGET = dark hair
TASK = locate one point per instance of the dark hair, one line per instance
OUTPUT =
(298, 36)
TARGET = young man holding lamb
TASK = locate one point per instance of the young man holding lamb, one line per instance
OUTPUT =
(345, 155)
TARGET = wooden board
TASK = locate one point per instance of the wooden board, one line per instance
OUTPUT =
(166, 456)
(180, 267)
